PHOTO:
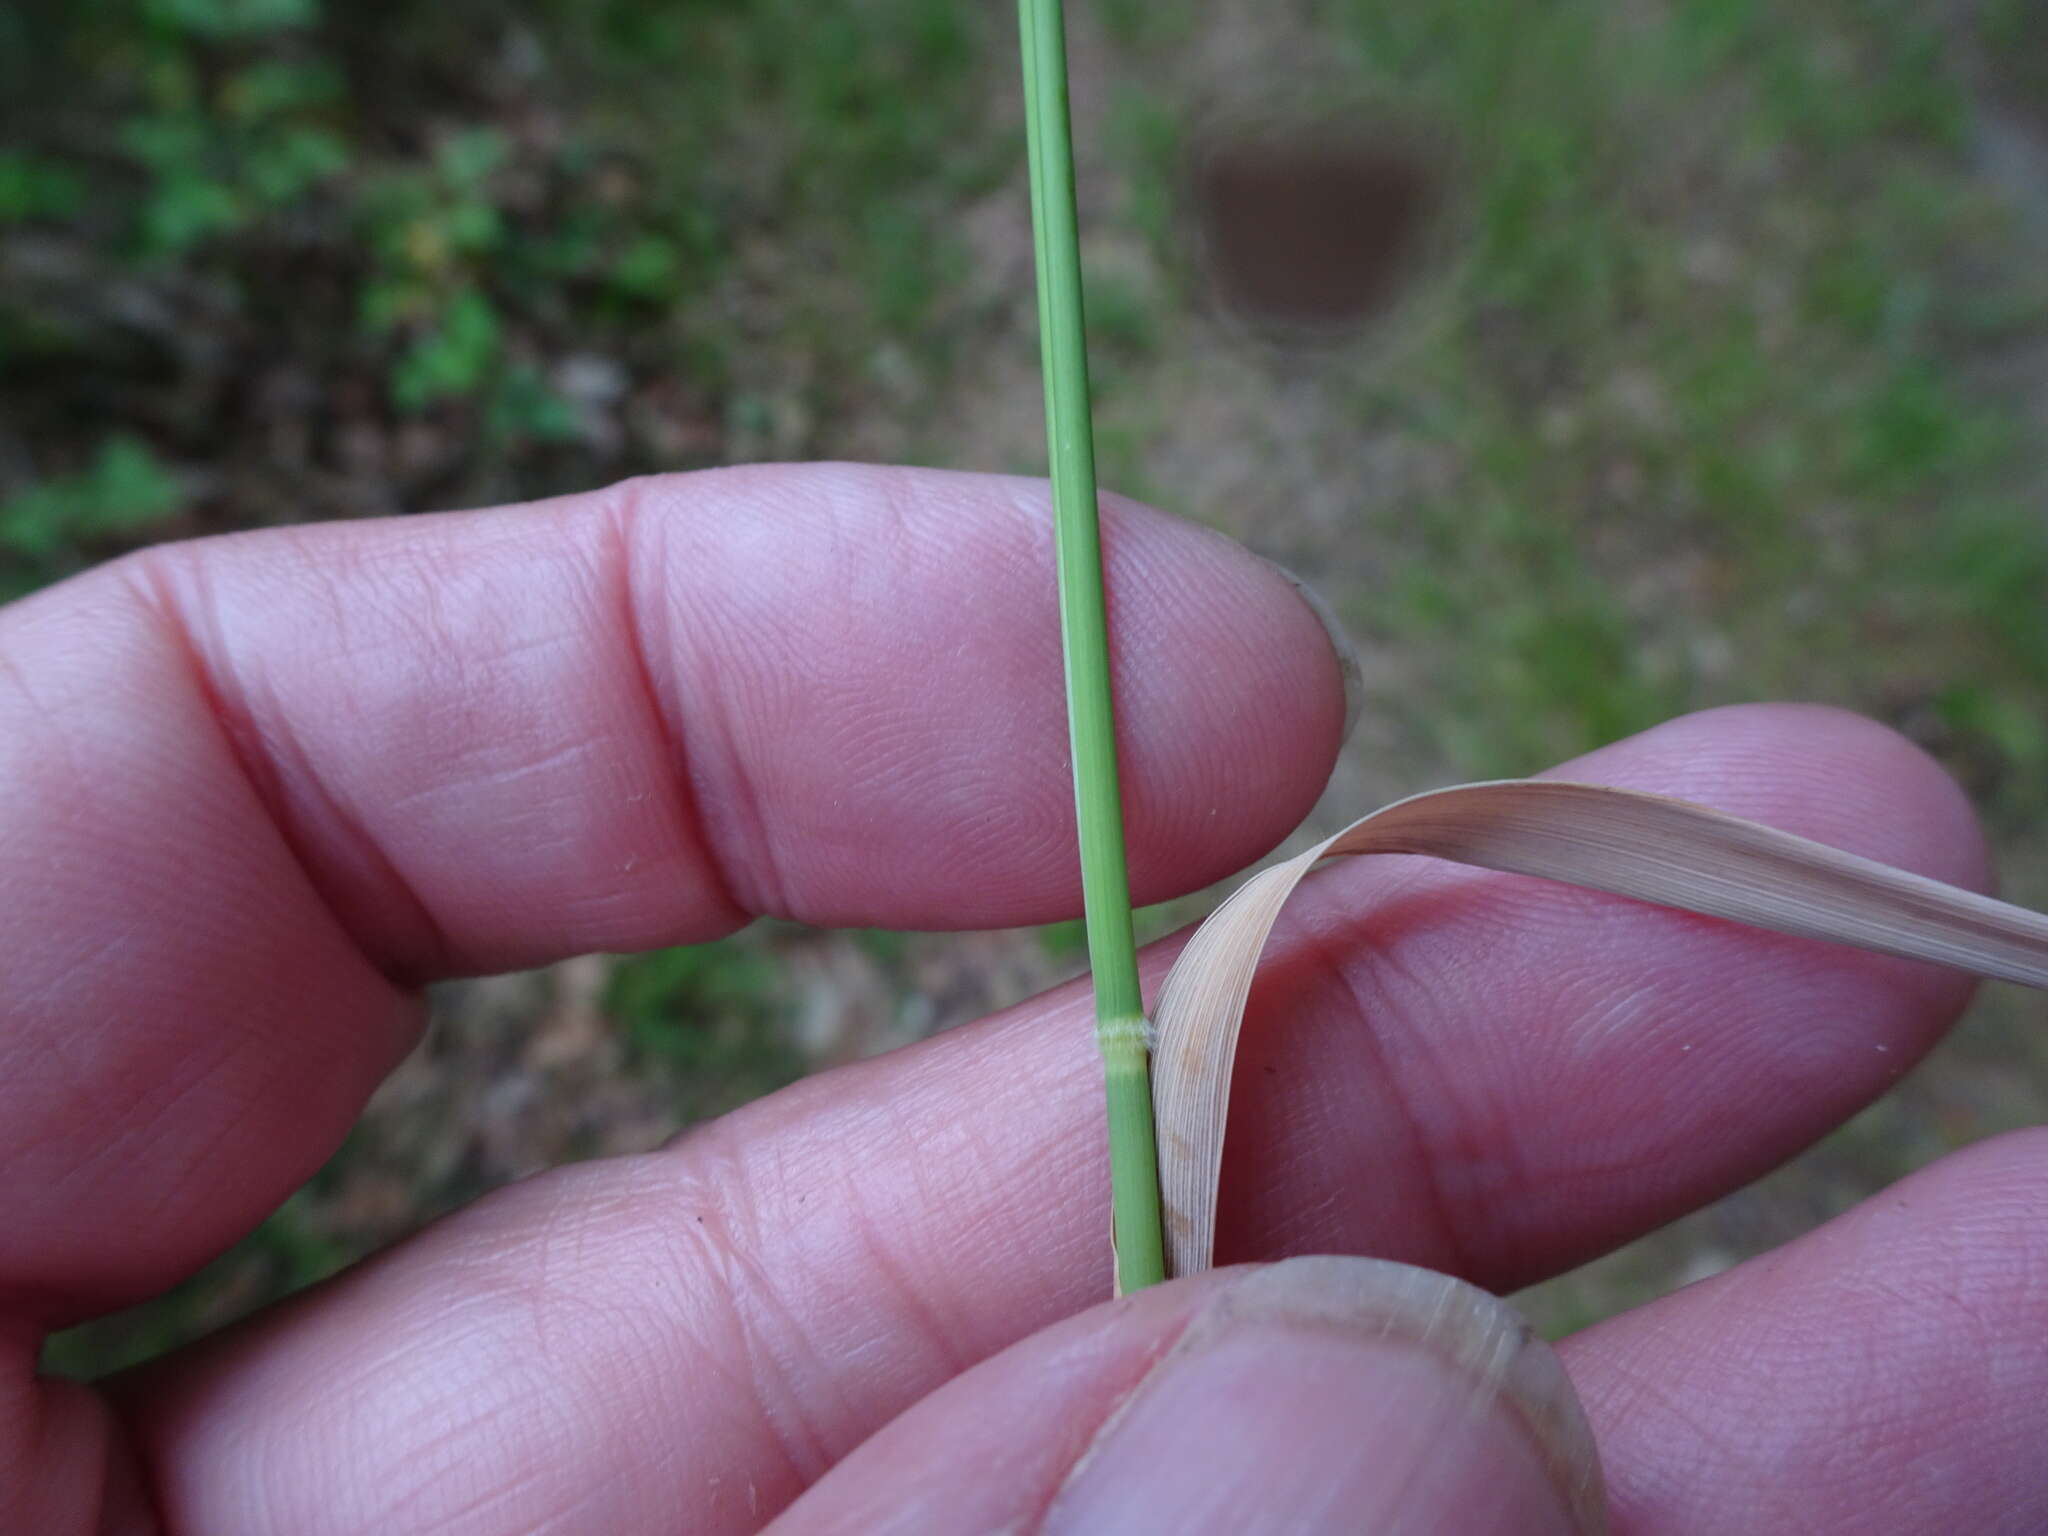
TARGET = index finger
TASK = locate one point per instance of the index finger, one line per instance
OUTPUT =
(251, 789)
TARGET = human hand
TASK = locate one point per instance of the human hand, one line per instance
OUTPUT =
(254, 791)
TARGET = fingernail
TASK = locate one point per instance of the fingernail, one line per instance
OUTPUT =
(1348, 664)
(1352, 1395)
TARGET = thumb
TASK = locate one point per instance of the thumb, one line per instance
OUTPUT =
(1320, 1394)
(1344, 1395)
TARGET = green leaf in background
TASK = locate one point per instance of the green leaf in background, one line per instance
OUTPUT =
(33, 187)
(125, 490)
(284, 167)
(452, 359)
(467, 159)
(705, 1008)
(647, 269)
(525, 407)
(231, 18)
(276, 87)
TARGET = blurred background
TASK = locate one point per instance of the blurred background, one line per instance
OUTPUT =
(1598, 359)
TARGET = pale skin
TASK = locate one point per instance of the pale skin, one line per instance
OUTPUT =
(255, 791)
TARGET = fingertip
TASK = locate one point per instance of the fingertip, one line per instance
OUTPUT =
(1328, 1393)
(1862, 1377)
(1234, 692)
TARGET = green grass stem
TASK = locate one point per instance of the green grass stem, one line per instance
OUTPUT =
(1105, 884)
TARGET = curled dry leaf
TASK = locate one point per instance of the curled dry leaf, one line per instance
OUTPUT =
(1644, 846)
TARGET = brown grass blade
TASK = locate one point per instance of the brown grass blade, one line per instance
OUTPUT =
(1644, 846)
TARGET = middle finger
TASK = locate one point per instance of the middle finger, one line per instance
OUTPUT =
(1537, 1074)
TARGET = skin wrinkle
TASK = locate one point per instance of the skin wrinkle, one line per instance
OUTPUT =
(277, 1077)
(429, 958)
(495, 752)
(746, 1294)
(526, 1487)
(639, 543)
(1069, 1382)
(419, 947)
(1622, 1013)
(558, 1213)
(131, 585)
(1467, 1149)
(781, 1386)
(596, 753)
(260, 752)
(985, 1165)
(67, 776)
(1351, 941)
(737, 833)
(901, 1298)
(87, 1090)
(267, 748)
(81, 956)
(362, 1390)
(994, 829)
(894, 1117)
(645, 1365)
(899, 543)
(1116, 1403)
(765, 1329)
(1001, 545)
(16, 679)
(1449, 1247)
(443, 1457)
(578, 1517)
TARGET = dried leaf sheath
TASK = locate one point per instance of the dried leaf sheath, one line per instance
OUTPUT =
(1644, 846)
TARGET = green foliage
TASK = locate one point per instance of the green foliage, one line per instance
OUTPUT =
(289, 1252)
(474, 217)
(1123, 319)
(853, 115)
(1145, 134)
(223, 138)
(124, 491)
(521, 407)
(226, 19)
(885, 947)
(1910, 429)
(1066, 941)
(1140, 24)
(1989, 563)
(444, 246)
(452, 357)
(33, 187)
(709, 1013)
(647, 269)
(2007, 719)
(1608, 353)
